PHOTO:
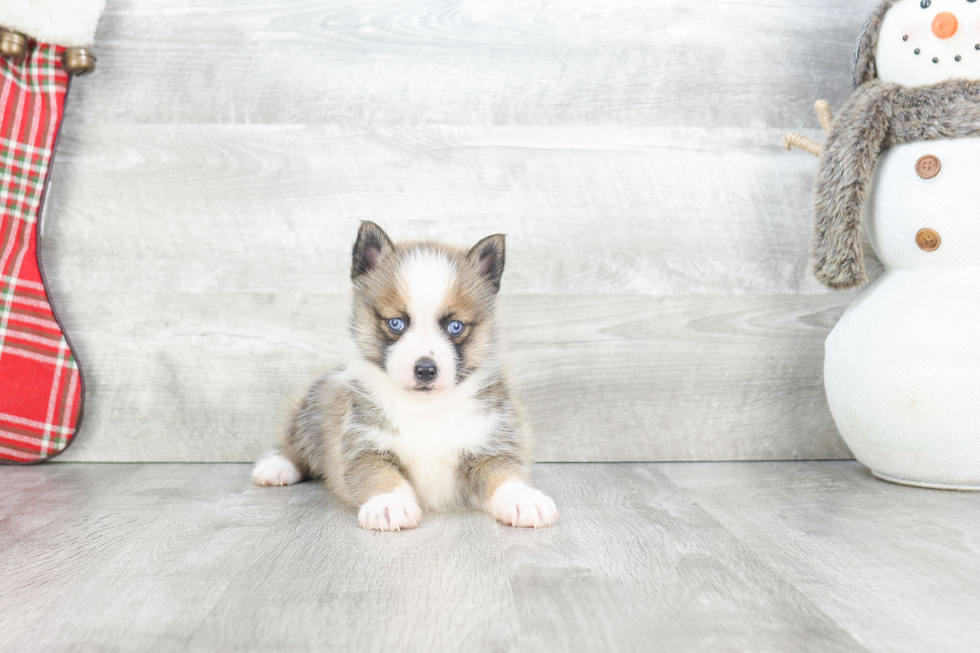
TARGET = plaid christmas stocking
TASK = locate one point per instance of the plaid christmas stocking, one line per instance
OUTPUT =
(40, 380)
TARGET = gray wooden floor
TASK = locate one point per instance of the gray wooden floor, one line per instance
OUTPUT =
(671, 557)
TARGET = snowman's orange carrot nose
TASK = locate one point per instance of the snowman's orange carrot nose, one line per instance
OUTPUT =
(944, 25)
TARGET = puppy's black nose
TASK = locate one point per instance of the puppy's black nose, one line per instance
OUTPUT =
(426, 370)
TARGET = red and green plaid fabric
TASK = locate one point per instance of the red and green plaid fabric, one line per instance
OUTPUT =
(40, 383)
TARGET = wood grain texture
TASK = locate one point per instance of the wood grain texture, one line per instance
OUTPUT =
(669, 378)
(530, 62)
(893, 565)
(679, 557)
(590, 210)
(215, 291)
(658, 296)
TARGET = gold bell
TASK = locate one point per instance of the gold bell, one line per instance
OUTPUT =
(78, 61)
(13, 45)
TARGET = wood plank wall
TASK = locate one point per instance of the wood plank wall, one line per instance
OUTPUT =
(212, 174)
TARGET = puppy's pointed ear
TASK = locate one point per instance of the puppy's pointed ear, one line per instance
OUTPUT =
(371, 247)
(488, 254)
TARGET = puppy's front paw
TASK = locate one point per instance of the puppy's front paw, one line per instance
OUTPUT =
(391, 511)
(275, 470)
(516, 504)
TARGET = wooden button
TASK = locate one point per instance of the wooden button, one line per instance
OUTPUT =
(928, 166)
(928, 240)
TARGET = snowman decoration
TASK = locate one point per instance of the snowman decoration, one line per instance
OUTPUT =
(902, 366)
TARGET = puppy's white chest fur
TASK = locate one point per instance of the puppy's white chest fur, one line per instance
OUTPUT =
(430, 448)
(430, 434)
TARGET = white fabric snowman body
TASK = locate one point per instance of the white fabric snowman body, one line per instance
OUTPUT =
(902, 367)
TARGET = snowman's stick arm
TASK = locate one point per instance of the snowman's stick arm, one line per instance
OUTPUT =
(824, 114)
(801, 142)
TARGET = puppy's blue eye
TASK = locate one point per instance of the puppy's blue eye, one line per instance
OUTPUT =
(396, 324)
(454, 328)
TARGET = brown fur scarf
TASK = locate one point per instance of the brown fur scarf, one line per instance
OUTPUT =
(877, 116)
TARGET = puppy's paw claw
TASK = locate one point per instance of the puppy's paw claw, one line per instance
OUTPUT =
(516, 504)
(391, 511)
(275, 470)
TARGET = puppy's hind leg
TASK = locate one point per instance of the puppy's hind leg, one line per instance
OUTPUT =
(276, 469)
(302, 443)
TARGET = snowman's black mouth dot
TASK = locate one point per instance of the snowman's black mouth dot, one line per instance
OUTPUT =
(958, 58)
(918, 51)
(935, 60)
(905, 38)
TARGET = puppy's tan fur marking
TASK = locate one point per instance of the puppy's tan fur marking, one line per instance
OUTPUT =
(372, 473)
(386, 438)
(482, 476)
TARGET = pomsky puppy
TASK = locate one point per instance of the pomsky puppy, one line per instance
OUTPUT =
(423, 417)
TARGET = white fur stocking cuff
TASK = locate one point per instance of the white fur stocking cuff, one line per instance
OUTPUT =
(57, 22)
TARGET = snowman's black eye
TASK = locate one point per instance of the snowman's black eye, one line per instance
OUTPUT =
(918, 51)
(935, 60)
(925, 4)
